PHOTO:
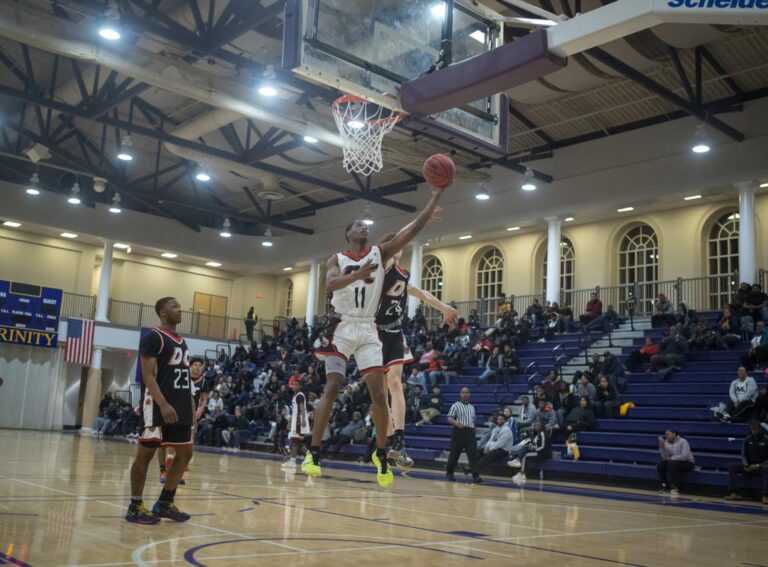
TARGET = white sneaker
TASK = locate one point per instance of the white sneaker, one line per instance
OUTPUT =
(514, 463)
(289, 465)
(519, 477)
(235, 449)
(674, 493)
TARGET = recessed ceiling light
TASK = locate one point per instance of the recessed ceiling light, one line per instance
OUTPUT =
(169, 255)
(625, 209)
(357, 124)
(213, 264)
(692, 197)
(122, 246)
(33, 191)
(287, 269)
(12, 224)
(465, 237)
(267, 90)
(763, 185)
(569, 219)
(482, 195)
(513, 228)
(438, 9)
(68, 235)
(311, 139)
(110, 32)
(202, 175)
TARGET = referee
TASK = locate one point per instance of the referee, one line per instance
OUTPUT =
(462, 417)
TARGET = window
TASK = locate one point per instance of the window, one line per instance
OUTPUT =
(638, 265)
(489, 279)
(432, 277)
(567, 269)
(722, 258)
(289, 298)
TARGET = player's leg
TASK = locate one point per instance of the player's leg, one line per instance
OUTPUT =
(181, 438)
(161, 457)
(137, 512)
(377, 389)
(335, 368)
(397, 414)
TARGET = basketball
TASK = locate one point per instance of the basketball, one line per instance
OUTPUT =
(439, 171)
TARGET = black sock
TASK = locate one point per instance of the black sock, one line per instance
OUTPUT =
(382, 455)
(166, 496)
(399, 436)
(136, 501)
(315, 451)
(162, 468)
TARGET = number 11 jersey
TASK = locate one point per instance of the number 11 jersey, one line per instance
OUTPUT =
(359, 300)
(173, 378)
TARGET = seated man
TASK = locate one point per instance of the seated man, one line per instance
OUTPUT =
(433, 407)
(758, 348)
(671, 352)
(535, 448)
(492, 367)
(742, 394)
(676, 460)
(580, 418)
(593, 311)
(754, 462)
(417, 402)
(499, 443)
(756, 304)
(526, 415)
(662, 312)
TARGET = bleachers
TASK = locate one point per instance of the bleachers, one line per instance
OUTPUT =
(625, 448)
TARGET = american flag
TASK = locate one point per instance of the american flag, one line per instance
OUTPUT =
(79, 341)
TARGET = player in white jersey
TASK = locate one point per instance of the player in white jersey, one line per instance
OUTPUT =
(356, 278)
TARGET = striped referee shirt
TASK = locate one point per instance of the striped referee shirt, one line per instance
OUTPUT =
(464, 413)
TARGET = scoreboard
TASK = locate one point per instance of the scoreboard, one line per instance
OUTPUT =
(29, 314)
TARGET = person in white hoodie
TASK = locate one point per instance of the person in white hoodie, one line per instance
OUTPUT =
(499, 443)
(743, 393)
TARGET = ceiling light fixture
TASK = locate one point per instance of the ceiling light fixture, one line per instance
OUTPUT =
(287, 269)
(700, 144)
(226, 229)
(69, 235)
(115, 207)
(169, 255)
(763, 185)
(34, 185)
(121, 246)
(513, 228)
(367, 218)
(625, 209)
(482, 193)
(11, 224)
(528, 184)
(535, 21)
(438, 9)
(202, 174)
(356, 124)
(311, 140)
(465, 237)
(267, 87)
(692, 198)
(213, 264)
(109, 26)
(569, 219)
(74, 198)
(126, 149)
(267, 242)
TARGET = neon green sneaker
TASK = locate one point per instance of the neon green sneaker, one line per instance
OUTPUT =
(309, 468)
(384, 475)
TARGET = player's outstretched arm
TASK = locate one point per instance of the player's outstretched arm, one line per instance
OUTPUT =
(450, 315)
(335, 280)
(409, 231)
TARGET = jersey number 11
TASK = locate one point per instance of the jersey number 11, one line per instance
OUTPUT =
(360, 298)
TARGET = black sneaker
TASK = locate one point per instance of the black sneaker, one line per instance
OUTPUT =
(140, 514)
(170, 511)
(450, 478)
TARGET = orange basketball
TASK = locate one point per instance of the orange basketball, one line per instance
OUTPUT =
(439, 171)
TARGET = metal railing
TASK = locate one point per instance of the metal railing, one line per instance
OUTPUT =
(76, 305)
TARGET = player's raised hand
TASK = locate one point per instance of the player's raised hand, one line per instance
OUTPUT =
(450, 318)
(365, 271)
(169, 414)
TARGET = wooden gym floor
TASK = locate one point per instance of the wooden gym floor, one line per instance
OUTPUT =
(62, 498)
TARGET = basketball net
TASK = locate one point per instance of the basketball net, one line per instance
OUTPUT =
(362, 126)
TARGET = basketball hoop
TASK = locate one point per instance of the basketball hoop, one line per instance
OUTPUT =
(362, 126)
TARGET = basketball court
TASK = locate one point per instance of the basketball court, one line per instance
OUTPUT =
(62, 499)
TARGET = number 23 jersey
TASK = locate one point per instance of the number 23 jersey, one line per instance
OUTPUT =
(360, 299)
(173, 378)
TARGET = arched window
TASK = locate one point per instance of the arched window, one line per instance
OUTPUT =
(489, 279)
(567, 269)
(722, 258)
(432, 277)
(289, 299)
(638, 265)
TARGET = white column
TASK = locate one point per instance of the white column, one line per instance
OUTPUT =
(314, 273)
(553, 260)
(92, 396)
(416, 262)
(747, 253)
(102, 299)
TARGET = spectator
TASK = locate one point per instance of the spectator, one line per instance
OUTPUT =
(586, 389)
(566, 315)
(104, 403)
(754, 462)
(614, 370)
(644, 354)
(676, 461)
(553, 324)
(215, 402)
(580, 418)
(111, 417)
(761, 403)
(526, 415)
(758, 348)
(551, 385)
(662, 312)
(462, 417)
(611, 319)
(565, 401)
(743, 393)
(433, 407)
(547, 416)
(510, 363)
(593, 311)
(344, 435)
(418, 402)
(492, 367)
(703, 338)
(608, 403)
(250, 323)
(671, 352)
(416, 379)
(756, 304)
(499, 444)
(535, 447)
(728, 329)
(595, 365)
(238, 433)
(535, 313)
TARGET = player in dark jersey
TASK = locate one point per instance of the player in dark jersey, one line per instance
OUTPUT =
(394, 299)
(168, 411)
(200, 392)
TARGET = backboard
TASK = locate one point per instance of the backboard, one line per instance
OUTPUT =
(369, 48)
